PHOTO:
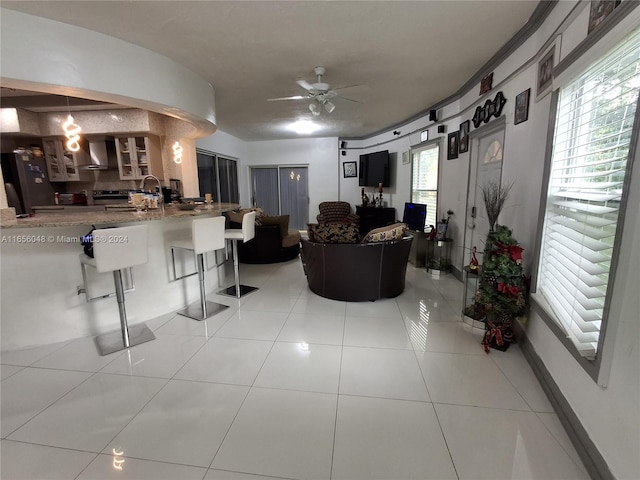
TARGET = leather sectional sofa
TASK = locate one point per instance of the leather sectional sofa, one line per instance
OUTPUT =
(356, 272)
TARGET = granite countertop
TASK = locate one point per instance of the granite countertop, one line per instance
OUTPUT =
(73, 218)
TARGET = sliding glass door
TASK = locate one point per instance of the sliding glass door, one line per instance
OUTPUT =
(219, 176)
(282, 190)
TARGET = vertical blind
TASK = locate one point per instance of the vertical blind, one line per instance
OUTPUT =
(424, 180)
(588, 166)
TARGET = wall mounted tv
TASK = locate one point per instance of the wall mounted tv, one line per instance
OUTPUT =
(375, 169)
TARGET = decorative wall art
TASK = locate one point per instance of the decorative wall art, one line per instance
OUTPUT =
(464, 136)
(491, 108)
(350, 169)
(600, 9)
(486, 84)
(424, 135)
(522, 107)
(452, 145)
(549, 59)
(406, 157)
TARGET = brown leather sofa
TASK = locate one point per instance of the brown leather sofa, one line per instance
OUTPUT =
(268, 246)
(356, 272)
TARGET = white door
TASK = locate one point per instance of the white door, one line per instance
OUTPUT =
(487, 147)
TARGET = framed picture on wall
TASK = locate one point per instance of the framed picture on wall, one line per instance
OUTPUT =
(600, 9)
(544, 80)
(350, 169)
(452, 145)
(522, 107)
(464, 136)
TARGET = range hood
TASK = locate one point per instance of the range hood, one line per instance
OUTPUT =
(99, 153)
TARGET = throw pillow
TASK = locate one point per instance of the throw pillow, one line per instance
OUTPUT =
(281, 221)
(236, 215)
(386, 234)
(333, 232)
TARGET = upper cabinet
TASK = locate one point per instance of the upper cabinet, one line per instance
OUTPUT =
(138, 157)
(62, 163)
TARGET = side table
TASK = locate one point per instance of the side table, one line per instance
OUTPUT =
(439, 257)
(470, 281)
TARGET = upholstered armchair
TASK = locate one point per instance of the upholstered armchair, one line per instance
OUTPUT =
(336, 212)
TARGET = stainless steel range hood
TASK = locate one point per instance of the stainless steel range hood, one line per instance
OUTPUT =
(99, 153)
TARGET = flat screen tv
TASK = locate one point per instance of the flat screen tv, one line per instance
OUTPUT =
(374, 169)
(415, 216)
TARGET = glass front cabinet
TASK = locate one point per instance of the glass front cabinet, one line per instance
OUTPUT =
(138, 156)
(62, 163)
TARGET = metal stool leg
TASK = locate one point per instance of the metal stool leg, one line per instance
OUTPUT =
(127, 337)
(236, 290)
(204, 309)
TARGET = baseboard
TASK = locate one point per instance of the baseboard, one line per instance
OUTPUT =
(593, 461)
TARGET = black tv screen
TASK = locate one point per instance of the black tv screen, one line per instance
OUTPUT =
(374, 169)
(415, 216)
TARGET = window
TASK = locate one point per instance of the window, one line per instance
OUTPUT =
(219, 176)
(589, 163)
(424, 179)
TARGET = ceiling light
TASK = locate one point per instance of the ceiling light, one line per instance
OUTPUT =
(314, 109)
(329, 107)
(304, 127)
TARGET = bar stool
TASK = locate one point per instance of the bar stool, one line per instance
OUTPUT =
(115, 249)
(247, 232)
(207, 234)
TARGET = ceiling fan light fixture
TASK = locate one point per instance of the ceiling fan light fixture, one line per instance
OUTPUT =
(329, 107)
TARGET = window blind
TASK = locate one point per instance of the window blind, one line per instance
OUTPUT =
(424, 180)
(588, 166)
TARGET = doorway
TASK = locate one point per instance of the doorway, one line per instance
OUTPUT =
(282, 190)
(485, 165)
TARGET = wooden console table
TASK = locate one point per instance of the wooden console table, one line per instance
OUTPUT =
(374, 217)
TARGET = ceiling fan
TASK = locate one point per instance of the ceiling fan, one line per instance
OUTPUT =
(320, 91)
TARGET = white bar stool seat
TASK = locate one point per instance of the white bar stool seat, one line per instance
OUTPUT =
(115, 249)
(207, 234)
(245, 234)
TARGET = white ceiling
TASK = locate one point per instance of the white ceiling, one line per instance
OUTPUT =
(406, 55)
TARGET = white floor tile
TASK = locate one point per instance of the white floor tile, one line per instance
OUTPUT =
(519, 447)
(30, 391)
(446, 337)
(161, 357)
(227, 360)
(553, 424)
(27, 356)
(517, 370)
(155, 323)
(270, 301)
(181, 325)
(385, 308)
(7, 370)
(468, 380)
(302, 366)
(81, 354)
(92, 414)
(428, 310)
(112, 467)
(185, 423)
(380, 372)
(22, 461)
(376, 332)
(222, 475)
(388, 439)
(253, 325)
(313, 328)
(309, 302)
(281, 433)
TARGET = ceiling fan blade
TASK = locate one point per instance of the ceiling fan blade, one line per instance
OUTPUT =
(346, 98)
(295, 97)
(304, 84)
(348, 86)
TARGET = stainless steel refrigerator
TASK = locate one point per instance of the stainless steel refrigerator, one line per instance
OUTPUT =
(28, 175)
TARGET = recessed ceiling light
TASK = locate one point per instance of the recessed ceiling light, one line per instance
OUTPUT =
(304, 127)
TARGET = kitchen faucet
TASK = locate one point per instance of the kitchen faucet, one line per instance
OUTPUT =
(160, 197)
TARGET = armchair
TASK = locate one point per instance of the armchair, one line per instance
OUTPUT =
(336, 212)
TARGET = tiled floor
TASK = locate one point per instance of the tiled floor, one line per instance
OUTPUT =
(286, 384)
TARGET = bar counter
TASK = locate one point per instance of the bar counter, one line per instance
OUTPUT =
(65, 218)
(41, 275)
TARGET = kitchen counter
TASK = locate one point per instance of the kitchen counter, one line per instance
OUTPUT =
(56, 217)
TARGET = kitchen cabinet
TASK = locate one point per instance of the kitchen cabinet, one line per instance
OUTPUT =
(139, 156)
(62, 163)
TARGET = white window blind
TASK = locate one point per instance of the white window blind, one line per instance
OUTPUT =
(589, 161)
(424, 179)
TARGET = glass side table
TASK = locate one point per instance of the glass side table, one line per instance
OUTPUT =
(439, 257)
(470, 281)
